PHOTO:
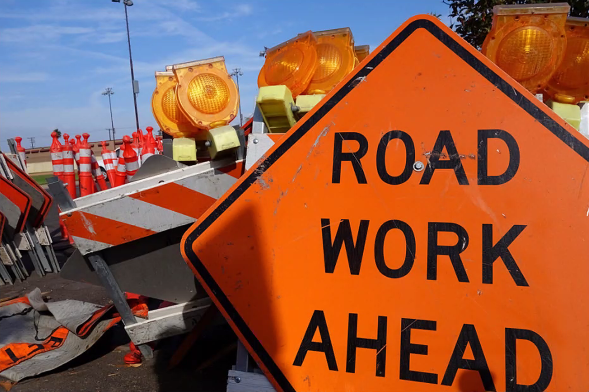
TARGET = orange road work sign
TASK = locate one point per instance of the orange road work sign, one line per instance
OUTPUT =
(424, 228)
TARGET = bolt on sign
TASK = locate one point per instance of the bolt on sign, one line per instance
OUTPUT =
(423, 229)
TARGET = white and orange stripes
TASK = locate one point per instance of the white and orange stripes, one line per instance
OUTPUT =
(56, 157)
(131, 158)
(148, 206)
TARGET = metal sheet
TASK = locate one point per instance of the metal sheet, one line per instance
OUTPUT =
(156, 164)
(151, 266)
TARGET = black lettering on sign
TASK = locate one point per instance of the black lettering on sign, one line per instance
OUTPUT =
(511, 384)
(381, 166)
(408, 348)
(354, 249)
(55, 341)
(379, 344)
(444, 140)
(38, 347)
(500, 249)
(409, 249)
(11, 355)
(354, 158)
(453, 251)
(317, 322)
(483, 140)
(468, 336)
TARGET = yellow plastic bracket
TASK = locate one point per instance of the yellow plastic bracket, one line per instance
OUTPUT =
(275, 104)
(184, 149)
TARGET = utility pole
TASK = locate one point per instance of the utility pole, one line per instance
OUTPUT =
(108, 129)
(32, 140)
(134, 83)
(109, 92)
(237, 73)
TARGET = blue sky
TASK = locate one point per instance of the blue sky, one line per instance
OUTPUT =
(58, 56)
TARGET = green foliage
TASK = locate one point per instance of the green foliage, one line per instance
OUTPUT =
(472, 18)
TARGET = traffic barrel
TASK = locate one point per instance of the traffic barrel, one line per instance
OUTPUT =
(69, 176)
(21, 151)
(109, 158)
(131, 158)
(56, 156)
(85, 167)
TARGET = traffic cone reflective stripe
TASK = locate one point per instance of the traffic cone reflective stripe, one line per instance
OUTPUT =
(69, 175)
(121, 173)
(85, 167)
(56, 157)
(131, 158)
(98, 173)
(109, 159)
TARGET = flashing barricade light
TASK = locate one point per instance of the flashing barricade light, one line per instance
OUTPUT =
(570, 82)
(335, 59)
(361, 52)
(166, 111)
(206, 93)
(528, 41)
(292, 64)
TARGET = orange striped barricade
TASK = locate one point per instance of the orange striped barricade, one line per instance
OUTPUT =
(148, 206)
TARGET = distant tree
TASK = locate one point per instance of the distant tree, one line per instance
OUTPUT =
(472, 19)
(58, 132)
(435, 14)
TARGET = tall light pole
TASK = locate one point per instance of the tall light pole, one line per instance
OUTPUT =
(134, 83)
(109, 92)
(237, 73)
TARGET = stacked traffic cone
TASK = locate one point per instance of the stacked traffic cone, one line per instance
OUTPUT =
(85, 167)
(21, 152)
(69, 176)
(121, 173)
(160, 145)
(148, 147)
(98, 173)
(131, 158)
(109, 158)
(56, 157)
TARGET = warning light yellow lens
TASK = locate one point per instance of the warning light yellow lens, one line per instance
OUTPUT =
(528, 42)
(170, 106)
(570, 82)
(284, 65)
(291, 64)
(208, 93)
(525, 52)
(335, 58)
(166, 110)
(330, 60)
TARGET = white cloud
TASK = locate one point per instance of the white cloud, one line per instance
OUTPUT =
(22, 77)
(238, 11)
(40, 33)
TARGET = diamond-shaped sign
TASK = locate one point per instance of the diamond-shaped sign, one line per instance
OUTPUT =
(423, 229)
